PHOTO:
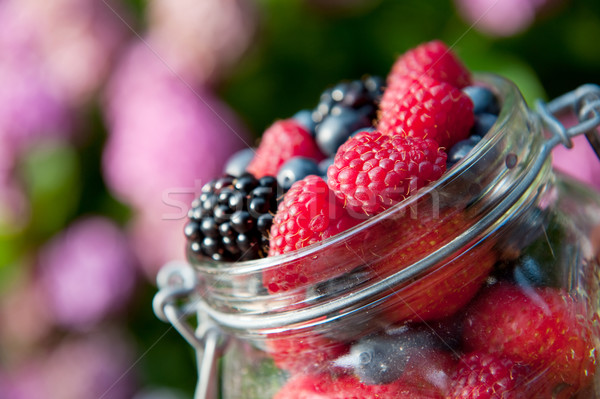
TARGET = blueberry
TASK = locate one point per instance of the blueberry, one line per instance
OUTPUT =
(529, 271)
(295, 169)
(483, 99)
(236, 164)
(483, 123)
(461, 149)
(305, 118)
(382, 358)
(336, 128)
(324, 165)
(377, 359)
(375, 86)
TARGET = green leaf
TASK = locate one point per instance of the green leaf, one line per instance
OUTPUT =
(51, 177)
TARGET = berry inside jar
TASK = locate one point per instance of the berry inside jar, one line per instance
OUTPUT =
(493, 320)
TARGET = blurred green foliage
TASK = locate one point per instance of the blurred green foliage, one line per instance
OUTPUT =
(301, 49)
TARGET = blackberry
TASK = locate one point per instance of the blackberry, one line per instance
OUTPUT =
(231, 219)
(342, 109)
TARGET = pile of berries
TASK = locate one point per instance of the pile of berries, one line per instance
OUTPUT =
(368, 145)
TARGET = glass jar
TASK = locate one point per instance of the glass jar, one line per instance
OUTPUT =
(486, 280)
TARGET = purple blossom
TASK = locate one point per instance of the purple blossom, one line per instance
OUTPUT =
(501, 17)
(24, 382)
(98, 365)
(156, 241)
(579, 162)
(167, 138)
(30, 108)
(24, 318)
(93, 366)
(201, 51)
(72, 42)
(53, 57)
(87, 272)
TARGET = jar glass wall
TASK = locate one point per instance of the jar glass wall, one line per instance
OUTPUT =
(493, 267)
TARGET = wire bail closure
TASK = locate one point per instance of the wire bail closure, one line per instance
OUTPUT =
(585, 103)
(175, 303)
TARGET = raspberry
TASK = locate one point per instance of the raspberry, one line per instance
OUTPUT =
(487, 376)
(283, 140)
(427, 108)
(433, 59)
(304, 354)
(307, 214)
(449, 287)
(430, 370)
(347, 387)
(543, 327)
(372, 171)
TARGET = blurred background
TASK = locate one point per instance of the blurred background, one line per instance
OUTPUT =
(113, 113)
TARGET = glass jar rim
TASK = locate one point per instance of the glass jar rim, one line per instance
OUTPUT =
(509, 97)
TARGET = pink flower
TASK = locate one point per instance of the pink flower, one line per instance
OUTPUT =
(579, 162)
(501, 17)
(167, 138)
(24, 382)
(24, 317)
(92, 366)
(201, 51)
(54, 56)
(72, 42)
(30, 108)
(87, 272)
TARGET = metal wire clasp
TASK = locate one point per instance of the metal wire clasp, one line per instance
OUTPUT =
(585, 103)
(176, 302)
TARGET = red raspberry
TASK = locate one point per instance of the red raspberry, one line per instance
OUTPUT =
(433, 59)
(431, 370)
(484, 375)
(447, 288)
(543, 327)
(372, 171)
(307, 214)
(323, 386)
(304, 354)
(283, 140)
(427, 108)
